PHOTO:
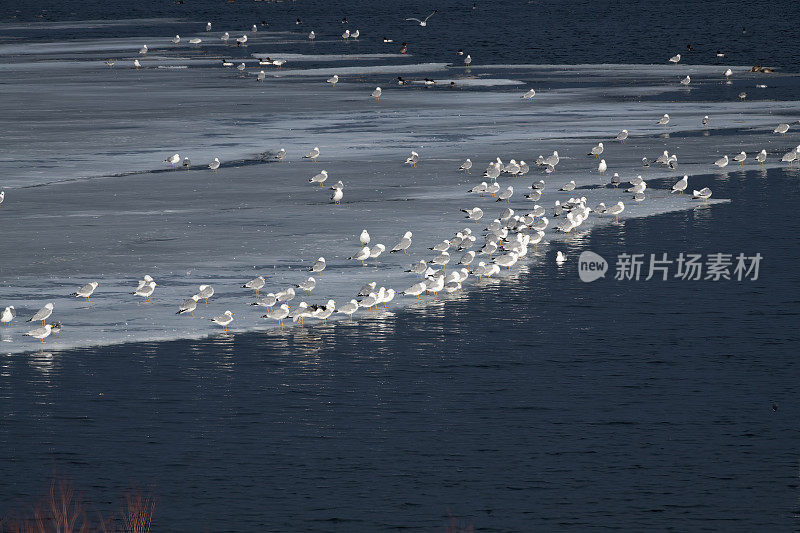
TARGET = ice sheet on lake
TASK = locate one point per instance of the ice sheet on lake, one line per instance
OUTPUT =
(88, 196)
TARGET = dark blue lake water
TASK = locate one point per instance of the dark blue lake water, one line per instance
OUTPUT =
(533, 403)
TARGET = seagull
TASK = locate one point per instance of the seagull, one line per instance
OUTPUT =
(681, 185)
(349, 308)
(346, 35)
(8, 315)
(705, 121)
(560, 257)
(195, 41)
(364, 237)
(728, 73)
(465, 166)
(403, 245)
(333, 80)
(362, 255)
(366, 289)
(110, 63)
(789, 157)
(324, 312)
(206, 292)
(476, 213)
(187, 163)
(376, 94)
(702, 194)
(529, 95)
(173, 159)
(278, 314)
(412, 159)
(86, 291)
(319, 178)
(722, 162)
(597, 150)
(568, 187)
(686, 81)
(136, 63)
(40, 333)
(225, 37)
(675, 59)
(261, 76)
(616, 209)
(376, 251)
(602, 167)
(241, 40)
(214, 165)
(241, 67)
(782, 129)
(279, 62)
(312, 36)
(740, 158)
(355, 34)
(143, 50)
(285, 295)
(318, 266)
(176, 39)
(208, 26)
(42, 314)
(615, 181)
(467, 60)
(621, 136)
(313, 154)
(423, 23)
(762, 156)
(307, 285)
(281, 155)
(337, 195)
(256, 284)
(266, 301)
(506, 194)
(223, 320)
(663, 121)
(188, 306)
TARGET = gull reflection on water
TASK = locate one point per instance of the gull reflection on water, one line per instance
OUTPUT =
(223, 350)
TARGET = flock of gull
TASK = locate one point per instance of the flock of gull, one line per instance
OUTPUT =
(479, 250)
